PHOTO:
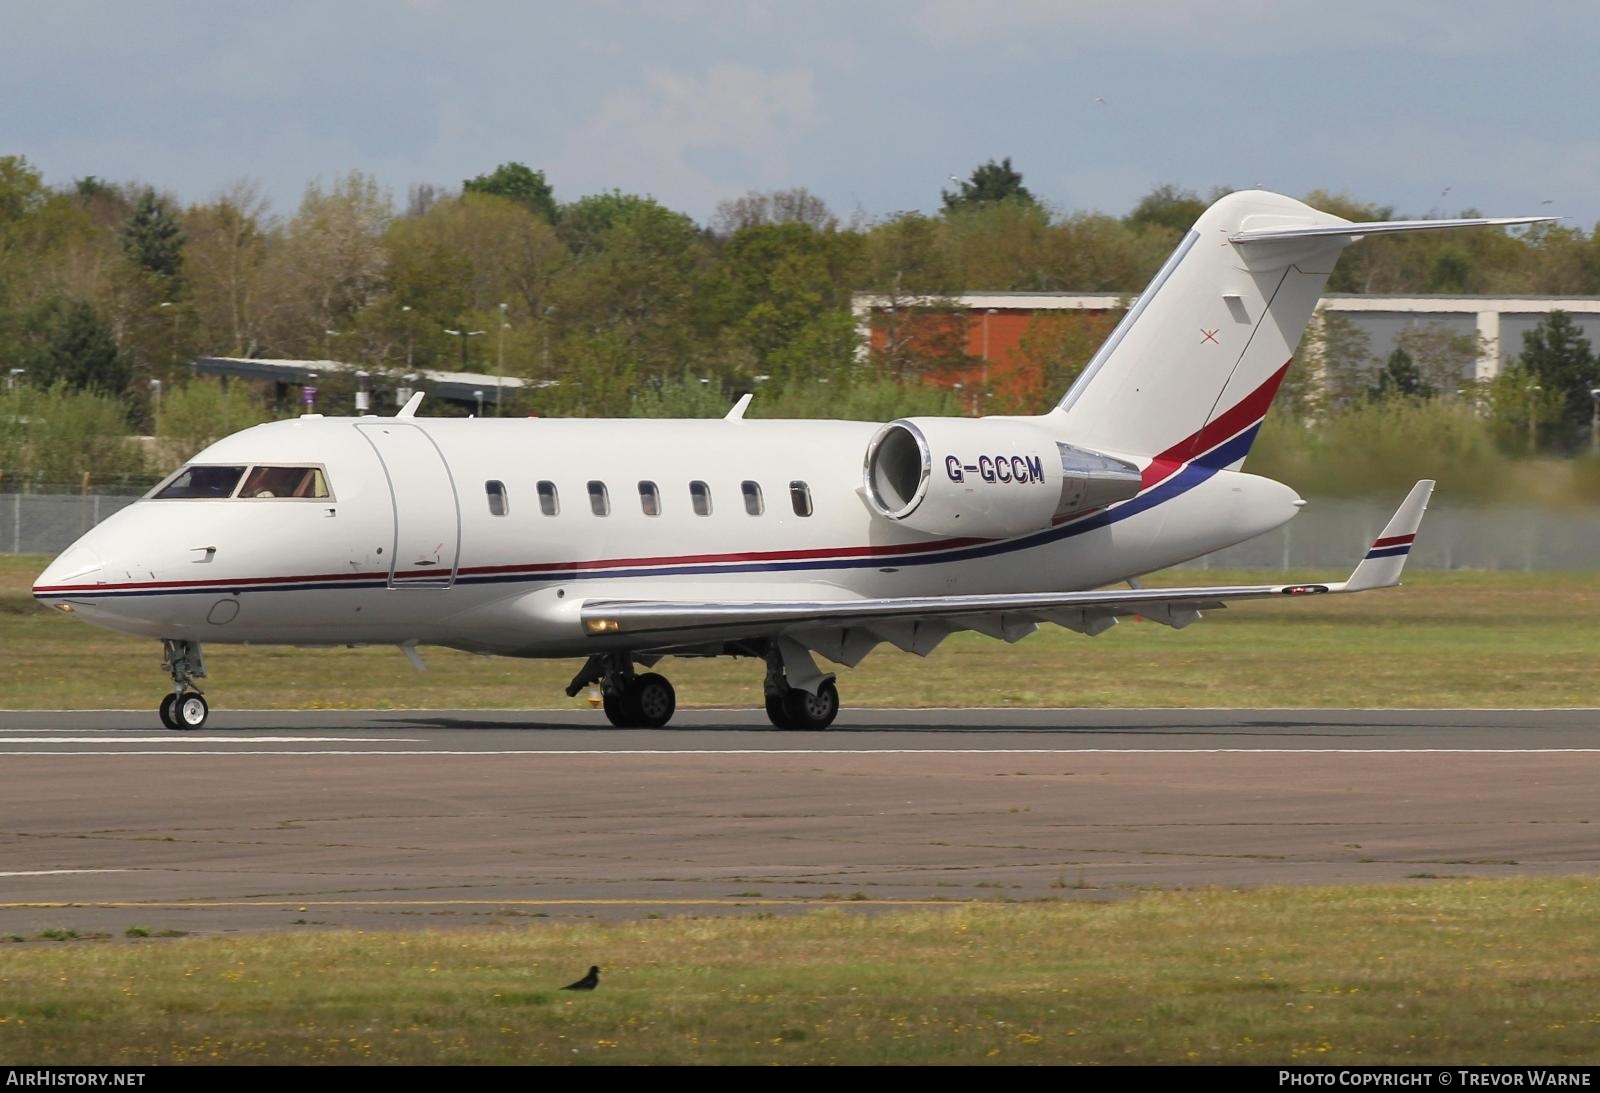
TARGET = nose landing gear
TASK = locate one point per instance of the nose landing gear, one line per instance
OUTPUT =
(185, 708)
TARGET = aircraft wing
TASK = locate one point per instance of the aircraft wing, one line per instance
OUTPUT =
(846, 630)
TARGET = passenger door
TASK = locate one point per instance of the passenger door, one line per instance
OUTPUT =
(427, 513)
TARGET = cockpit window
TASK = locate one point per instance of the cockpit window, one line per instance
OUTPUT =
(261, 483)
(265, 482)
(200, 481)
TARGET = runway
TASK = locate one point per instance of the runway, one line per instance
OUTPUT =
(278, 820)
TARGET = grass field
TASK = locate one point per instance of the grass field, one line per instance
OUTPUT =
(1445, 972)
(1445, 639)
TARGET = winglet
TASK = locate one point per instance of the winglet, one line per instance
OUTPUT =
(410, 408)
(737, 413)
(1387, 557)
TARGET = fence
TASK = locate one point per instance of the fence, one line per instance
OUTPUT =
(1326, 534)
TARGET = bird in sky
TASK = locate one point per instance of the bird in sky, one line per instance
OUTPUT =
(588, 982)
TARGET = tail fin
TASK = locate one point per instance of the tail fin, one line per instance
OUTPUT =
(1193, 366)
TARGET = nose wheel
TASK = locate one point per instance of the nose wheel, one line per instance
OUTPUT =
(185, 709)
(184, 712)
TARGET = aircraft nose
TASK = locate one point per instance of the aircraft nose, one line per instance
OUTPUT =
(77, 565)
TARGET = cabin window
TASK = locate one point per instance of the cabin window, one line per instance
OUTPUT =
(599, 499)
(700, 498)
(549, 500)
(752, 498)
(800, 498)
(200, 481)
(496, 492)
(281, 482)
(649, 499)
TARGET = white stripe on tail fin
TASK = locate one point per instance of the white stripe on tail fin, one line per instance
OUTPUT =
(1196, 361)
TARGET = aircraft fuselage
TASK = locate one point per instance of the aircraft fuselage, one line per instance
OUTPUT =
(487, 535)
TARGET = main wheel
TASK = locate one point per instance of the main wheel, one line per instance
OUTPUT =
(808, 711)
(190, 710)
(652, 700)
(777, 713)
(616, 707)
(168, 718)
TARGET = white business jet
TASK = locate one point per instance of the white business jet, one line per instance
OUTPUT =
(623, 542)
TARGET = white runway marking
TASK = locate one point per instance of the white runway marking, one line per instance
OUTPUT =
(112, 738)
(848, 751)
(59, 872)
(691, 711)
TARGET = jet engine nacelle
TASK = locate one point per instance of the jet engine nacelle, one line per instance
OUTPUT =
(986, 477)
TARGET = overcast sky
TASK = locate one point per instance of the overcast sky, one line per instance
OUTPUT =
(1428, 106)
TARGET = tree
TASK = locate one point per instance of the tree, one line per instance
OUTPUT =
(1557, 354)
(520, 183)
(1169, 208)
(152, 237)
(1399, 377)
(71, 347)
(758, 209)
(1519, 408)
(1445, 360)
(1000, 247)
(989, 183)
(1337, 353)
(329, 266)
(22, 189)
(228, 245)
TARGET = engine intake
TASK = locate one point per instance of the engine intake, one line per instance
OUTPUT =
(986, 477)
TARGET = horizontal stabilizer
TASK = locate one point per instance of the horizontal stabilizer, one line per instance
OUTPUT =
(1376, 227)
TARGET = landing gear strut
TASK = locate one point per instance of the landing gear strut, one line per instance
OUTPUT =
(790, 707)
(185, 708)
(631, 701)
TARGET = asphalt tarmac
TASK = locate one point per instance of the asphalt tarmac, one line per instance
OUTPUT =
(396, 819)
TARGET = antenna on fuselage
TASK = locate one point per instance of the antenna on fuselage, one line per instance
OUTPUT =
(737, 413)
(410, 408)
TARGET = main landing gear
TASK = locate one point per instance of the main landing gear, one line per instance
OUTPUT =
(631, 701)
(793, 707)
(798, 695)
(185, 708)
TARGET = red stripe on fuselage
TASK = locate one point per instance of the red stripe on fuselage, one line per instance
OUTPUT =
(1233, 421)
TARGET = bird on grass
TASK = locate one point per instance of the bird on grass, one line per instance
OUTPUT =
(587, 983)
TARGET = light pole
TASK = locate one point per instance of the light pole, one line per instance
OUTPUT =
(405, 309)
(155, 398)
(1533, 417)
(327, 344)
(500, 359)
(13, 376)
(164, 305)
(464, 335)
(363, 400)
(544, 331)
(1594, 421)
(479, 396)
(986, 315)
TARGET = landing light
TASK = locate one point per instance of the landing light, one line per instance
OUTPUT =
(602, 626)
(65, 608)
